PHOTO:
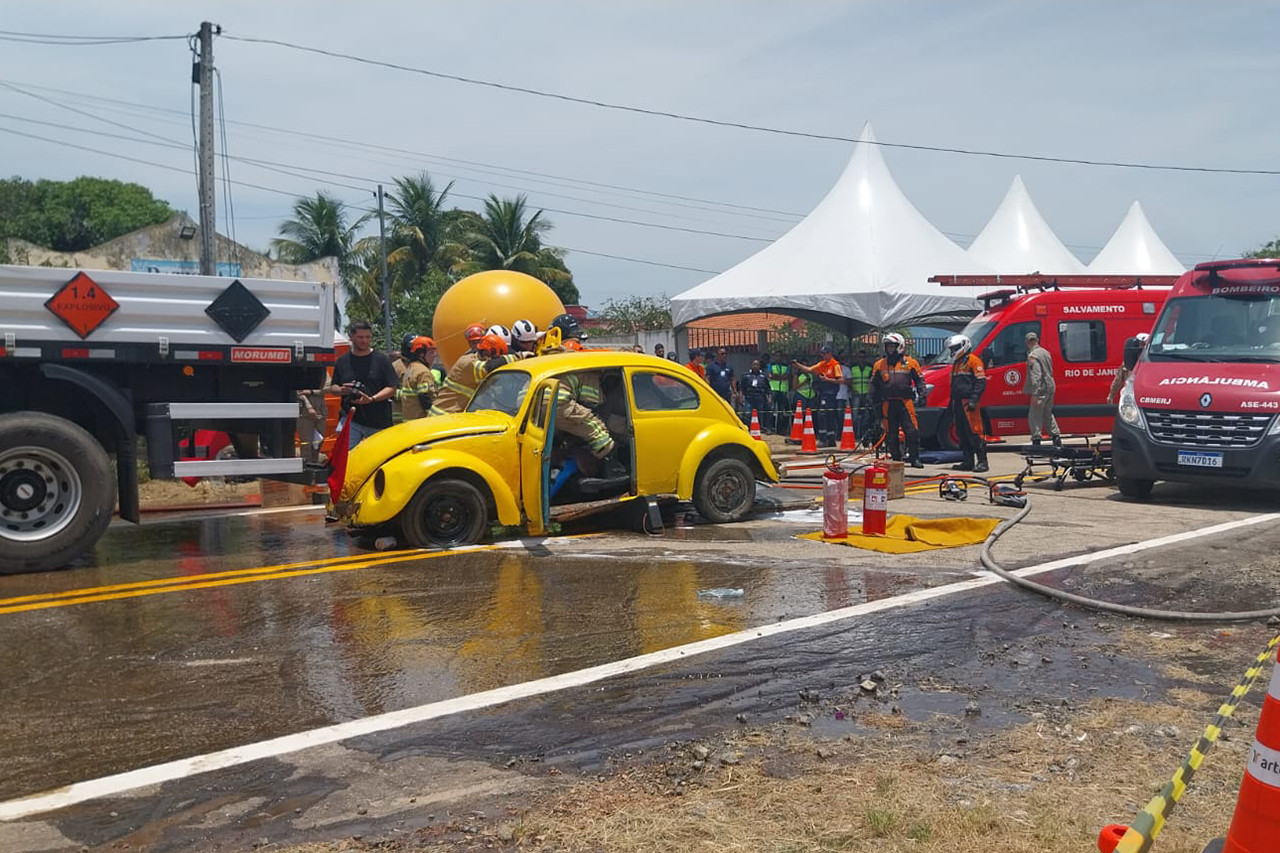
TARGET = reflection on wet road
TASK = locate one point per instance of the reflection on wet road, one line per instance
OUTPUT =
(194, 636)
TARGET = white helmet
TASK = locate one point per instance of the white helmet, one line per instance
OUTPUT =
(895, 339)
(958, 346)
(524, 331)
(501, 331)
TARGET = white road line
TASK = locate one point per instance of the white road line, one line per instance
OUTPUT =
(121, 783)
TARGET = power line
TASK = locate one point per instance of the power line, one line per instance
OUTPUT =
(739, 125)
(634, 260)
(78, 41)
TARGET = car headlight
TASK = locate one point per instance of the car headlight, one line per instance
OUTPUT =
(1128, 409)
(1274, 429)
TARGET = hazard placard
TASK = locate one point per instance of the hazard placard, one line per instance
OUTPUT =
(82, 304)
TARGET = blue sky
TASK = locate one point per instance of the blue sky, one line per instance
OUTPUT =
(1175, 83)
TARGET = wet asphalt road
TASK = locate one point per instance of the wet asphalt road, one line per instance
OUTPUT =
(145, 659)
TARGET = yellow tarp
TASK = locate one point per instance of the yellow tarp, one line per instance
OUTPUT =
(906, 534)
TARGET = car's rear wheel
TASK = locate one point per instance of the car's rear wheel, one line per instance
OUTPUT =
(445, 513)
(1135, 488)
(725, 491)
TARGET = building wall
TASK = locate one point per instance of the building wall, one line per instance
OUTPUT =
(164, 243)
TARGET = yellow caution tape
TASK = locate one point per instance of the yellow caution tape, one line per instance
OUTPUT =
(1147, 825)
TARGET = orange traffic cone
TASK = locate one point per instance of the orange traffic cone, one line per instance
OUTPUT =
(1256, 825)
(797, 423)
(755, 426)
(848, 441)
(809, 443)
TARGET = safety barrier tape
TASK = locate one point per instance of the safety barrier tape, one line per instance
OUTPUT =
(1140, 835)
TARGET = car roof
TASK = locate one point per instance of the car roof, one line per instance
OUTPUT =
(545, 365)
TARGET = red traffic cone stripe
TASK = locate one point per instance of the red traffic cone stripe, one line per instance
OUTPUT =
(1256, 824)
(797, 423)
(848, 441)
(755, 426)
(809, 443)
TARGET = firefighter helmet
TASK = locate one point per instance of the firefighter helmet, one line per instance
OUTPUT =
(568, 325)
(492, 345)
(958, 346)
(421, 344)
(501, 331)
(895, 340)
(474, 333)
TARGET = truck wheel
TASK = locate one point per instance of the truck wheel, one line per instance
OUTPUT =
(946, 434)
(57, 491)
(445, 513)
(725, 491)
(1134, 488)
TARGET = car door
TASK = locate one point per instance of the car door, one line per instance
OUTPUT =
(1005, 358)
(665, 418)
(535, 456)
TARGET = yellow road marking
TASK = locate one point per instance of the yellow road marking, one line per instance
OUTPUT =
(220, 579)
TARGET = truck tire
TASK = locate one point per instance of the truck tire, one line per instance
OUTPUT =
(57, 491)
(725, 491)
(445, 513)
(1134, 488)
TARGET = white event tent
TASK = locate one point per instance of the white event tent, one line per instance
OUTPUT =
(1135, 249)
(860, 260)
(1017, 240)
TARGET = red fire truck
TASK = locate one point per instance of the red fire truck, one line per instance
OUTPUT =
(1203, 401)
(1083, 320)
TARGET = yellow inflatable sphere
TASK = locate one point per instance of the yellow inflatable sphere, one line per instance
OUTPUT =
(494, 296)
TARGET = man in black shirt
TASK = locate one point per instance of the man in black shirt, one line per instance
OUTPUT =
(755, 389)
(721, 378)
(367, 382)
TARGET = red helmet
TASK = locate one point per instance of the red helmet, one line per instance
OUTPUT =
(492, 345)
(421, 343)
(474, 333)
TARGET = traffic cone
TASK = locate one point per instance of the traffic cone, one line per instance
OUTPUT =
(809, 443)
(797, 423)
(755, 426)
(848, 441)
(1256, 825)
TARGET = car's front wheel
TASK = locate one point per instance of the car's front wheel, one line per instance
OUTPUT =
(445, 513)
(725, 491)
(1135, 488)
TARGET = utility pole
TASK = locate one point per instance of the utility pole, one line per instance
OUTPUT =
(386, 294)
(204, 76)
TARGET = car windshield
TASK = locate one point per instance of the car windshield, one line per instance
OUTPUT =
(1240, 328)
(976, 331)
(502, 391)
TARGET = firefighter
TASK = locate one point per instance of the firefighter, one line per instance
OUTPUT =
(493, 353)
(502, 332)
(895, 384)
(418, 385)
(829, 376)
(460, 383)
(524, 336)
(576, 400)
(968, 379)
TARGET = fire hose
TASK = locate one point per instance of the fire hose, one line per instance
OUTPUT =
(1096, 604)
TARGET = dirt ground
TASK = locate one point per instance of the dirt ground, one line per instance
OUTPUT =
(892, 784)
(166, 494)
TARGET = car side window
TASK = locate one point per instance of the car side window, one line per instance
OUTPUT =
(1083, 340)
(1010, 345)
(655, 392)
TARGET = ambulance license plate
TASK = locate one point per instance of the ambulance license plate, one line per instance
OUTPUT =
(1200, 458)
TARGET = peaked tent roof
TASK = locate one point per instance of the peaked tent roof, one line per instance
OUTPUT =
(861, 259)
(1136, 249)
(1017, 240)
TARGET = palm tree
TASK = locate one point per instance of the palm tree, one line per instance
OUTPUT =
(319, 229)
(504, 236)
(420, 232)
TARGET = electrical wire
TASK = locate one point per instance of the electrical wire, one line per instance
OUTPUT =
(457, 78)
(228, 202)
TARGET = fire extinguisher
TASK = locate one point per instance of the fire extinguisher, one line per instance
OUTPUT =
(875, 500)
(835, 502)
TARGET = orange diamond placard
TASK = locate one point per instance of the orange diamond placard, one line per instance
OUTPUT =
(82, 304)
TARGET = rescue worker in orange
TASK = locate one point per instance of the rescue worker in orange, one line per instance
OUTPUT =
(460, 383)
(829, 374)
(968, 380)
(895, 384)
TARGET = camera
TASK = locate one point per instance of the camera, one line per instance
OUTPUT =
(357, 387)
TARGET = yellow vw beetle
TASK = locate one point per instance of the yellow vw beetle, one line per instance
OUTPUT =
(442, 481)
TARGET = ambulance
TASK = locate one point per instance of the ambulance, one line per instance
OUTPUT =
(1083, 321)
(1203, 403)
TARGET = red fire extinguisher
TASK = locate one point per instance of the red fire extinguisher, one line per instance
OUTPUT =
(875, 500)
(835, 502)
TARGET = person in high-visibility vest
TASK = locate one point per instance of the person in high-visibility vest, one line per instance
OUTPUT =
(418, 385)
(460, 382)
(968, 381)
(779, 373)
(860, 389)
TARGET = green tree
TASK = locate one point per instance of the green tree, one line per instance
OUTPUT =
(71, 216)
(505, 237)
(1266, 250)
(322, 227)
(636, 314)
(423, 233)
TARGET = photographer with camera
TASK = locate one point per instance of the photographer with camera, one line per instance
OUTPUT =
(367, 382)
